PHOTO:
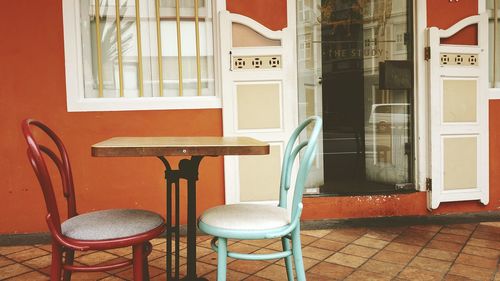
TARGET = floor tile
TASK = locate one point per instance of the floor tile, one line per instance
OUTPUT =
(230, 275)
(329, 245)
(456, 231)
(346, 260)
(201, 269)
(481, 251)
(128, 274)
(403, 248)
(260, 243)
(39, 262)
(243, 248)
(316, 253)
(430, 264)
(342, 237)
(484, 243)
(95, 258)
(361, 275)
(360, 251)
(446, 246)
(438, 254)
(393, 257)
(308, 262)
(412, 239)
(386, 268)
(472, 272)
(432, 228)
(13, 270)
(112, 278)
(370, 242)
(273, 272)
(316, 233)
(27, 254)
(452, 277)
(306, 239)
(477, 261)
(451, 238)
(330, 270)
(12, 249)
(86, 276)
(380, 234)
(248, 267)
(5, 261)
(418, 274)
(33, 275)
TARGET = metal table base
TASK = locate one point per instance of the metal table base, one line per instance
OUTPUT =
(188, 170)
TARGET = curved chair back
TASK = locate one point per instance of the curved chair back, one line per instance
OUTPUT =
(292, 151)
(37, 154)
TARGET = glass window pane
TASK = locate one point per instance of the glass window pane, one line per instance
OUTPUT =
(147, 66)
(347, 51)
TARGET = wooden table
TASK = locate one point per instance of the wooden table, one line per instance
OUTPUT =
(194, 148)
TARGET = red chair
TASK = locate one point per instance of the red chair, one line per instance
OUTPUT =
(99, 230)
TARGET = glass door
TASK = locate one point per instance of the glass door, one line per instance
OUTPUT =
(355, 70)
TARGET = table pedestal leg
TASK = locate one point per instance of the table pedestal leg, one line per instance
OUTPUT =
(188, 170)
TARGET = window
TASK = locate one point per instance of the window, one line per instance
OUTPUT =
(493, 9)
(112, 62)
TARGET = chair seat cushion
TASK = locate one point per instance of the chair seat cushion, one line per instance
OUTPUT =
(246, 217)
(110, 224)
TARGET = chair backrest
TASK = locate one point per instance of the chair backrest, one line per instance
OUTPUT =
(37, 155)
(292, 151)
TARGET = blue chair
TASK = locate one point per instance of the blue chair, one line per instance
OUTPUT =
(252, 221)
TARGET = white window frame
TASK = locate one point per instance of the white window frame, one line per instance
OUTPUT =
(494, 92)
(75, 99)
(421, 138)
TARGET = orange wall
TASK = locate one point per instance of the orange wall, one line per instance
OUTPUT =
(32, 84)
(271, 13)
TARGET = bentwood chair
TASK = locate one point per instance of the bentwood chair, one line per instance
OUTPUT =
(251, 221)
(98, 230)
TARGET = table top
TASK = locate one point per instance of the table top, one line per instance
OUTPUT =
(186, 146)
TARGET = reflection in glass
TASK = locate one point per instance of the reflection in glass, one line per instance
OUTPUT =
(367, 128)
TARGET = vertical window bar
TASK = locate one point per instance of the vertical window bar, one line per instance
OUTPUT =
(197, 31)
(119, 45)
(179, 45)
(139, 47)
(158, 40)
(496, 38)
(99, 48)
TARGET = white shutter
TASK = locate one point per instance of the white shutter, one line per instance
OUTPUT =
(458, 81)
(259, 100)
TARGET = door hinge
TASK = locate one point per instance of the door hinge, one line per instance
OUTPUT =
(428, 184)
(427, 53)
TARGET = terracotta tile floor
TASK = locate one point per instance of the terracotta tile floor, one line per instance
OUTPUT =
(419, 252)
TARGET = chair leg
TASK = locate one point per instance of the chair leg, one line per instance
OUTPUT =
(145, 265)
(288, 260)
(68, 260)
(297, 254)
(138, 261)
(221, 259)
(56, 267)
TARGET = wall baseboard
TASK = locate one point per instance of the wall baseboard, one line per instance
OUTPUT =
(44, 237)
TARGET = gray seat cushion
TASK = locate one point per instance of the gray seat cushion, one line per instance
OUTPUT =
(110, 224)
(246, 217)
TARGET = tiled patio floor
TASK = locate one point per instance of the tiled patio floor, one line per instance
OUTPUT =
(420, 252)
